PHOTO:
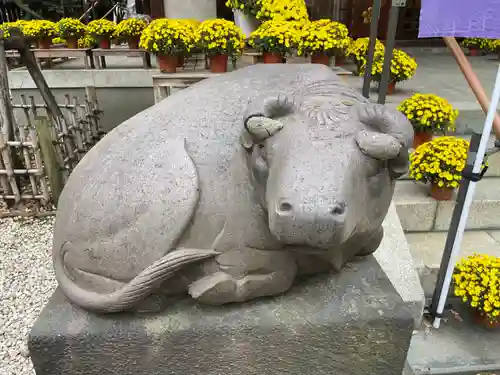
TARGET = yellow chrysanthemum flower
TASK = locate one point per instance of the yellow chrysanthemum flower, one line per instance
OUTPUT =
(358, 50)
(277, 36)
(129, 28)
(169, 36)
(325, 36)
(402, 67)
(440, 161)
(39, 28)
(429, 113)
(278, 10)
(102, 28)
(477, 280)
(480, 43)
(220, 37)
(70, 27)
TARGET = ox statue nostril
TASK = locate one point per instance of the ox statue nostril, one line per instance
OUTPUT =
(285, 207)
(338, 209)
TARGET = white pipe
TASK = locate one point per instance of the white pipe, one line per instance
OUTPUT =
(488, 125)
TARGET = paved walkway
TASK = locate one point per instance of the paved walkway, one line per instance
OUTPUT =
(438, 73)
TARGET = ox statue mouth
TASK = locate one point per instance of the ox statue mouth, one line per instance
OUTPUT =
(314, 244)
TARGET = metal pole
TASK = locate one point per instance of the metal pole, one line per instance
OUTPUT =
(109, 11)
(371, 47)
(452, 234)
(477, 150)
(389, 46)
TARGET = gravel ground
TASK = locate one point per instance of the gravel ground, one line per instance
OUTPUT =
(26, 283)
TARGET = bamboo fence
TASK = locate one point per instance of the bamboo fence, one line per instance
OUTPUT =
(37, 160)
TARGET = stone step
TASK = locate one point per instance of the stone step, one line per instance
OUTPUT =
(419, 212)
(458, 347)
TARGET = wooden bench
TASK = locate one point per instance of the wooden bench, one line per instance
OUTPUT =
(58, 52)
(163, 83)
(100, 56)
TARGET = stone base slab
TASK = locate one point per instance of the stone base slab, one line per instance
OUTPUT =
(351, 323)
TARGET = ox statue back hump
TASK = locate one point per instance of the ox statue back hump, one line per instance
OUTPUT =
(229, 189)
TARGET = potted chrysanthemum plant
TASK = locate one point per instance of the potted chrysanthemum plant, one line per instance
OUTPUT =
(476, 46)
(402, 68)
(42, 30)
(358, 51)
(220, 39)
(440, 163)
(429, 114)
(168, 39)
(323, 39)
(130, 30)
(12, 28)
(476, 281)
(102, 30)
(274, 39)
(70, 29)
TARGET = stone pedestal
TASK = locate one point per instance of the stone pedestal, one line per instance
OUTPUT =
(193, 9)
(352, 323)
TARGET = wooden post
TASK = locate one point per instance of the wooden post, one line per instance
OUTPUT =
(93, 110)
(53, 166)
(39, 164)
(27, 160)
(7, 128)
(472, 80)
(6, 112)
(8, 165)
(41, 84)
(4, 182)
(52, 106)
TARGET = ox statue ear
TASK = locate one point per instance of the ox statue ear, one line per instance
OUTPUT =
(385, 147)
(383, 119)
(260, 118)
(259, 128)
(389, 123)
(378, 145)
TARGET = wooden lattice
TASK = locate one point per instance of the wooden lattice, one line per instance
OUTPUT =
(36, 162)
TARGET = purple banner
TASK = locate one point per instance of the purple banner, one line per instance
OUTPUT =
(460, 18)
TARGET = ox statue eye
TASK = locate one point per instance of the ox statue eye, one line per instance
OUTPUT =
(263, 152)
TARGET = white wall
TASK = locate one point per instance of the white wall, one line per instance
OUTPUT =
(197, 9)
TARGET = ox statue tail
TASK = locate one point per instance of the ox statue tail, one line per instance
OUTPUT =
(138, 288)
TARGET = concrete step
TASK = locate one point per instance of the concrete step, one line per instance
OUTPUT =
(427, 249)
(457, 347)
(419, 212)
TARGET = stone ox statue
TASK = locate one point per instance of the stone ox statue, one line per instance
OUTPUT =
(229, 190)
